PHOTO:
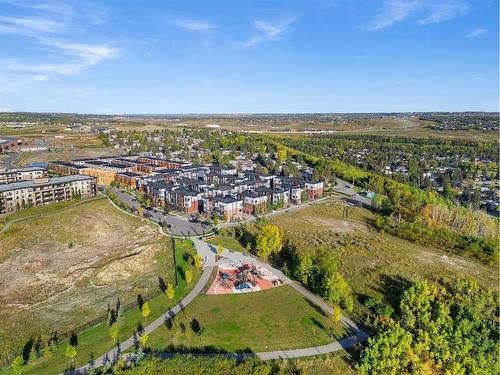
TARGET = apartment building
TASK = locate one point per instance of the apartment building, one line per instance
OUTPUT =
(66, 168)
(127, 179)
(8, 176)
(44, 191)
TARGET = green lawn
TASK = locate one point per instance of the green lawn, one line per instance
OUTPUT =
(39, 211)
(95, 341)
(273, 319)
(228, 243)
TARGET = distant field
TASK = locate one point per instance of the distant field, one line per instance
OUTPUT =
(72, 146)
(59, 272)
(274, 319)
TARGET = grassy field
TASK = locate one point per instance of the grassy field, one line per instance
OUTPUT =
(40, 211)
(96, 340)
(60, 271)
(374, 263)
(228, 243)
(273, 319)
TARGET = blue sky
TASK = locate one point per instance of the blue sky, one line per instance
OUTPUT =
(213, 56)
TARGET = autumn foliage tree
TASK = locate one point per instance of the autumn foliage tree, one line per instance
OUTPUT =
(444, 328)
(269, 241)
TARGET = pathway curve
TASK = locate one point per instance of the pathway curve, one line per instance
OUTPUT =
(208, 253)
(114, 353)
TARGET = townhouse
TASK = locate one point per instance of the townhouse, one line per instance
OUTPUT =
(208, 189)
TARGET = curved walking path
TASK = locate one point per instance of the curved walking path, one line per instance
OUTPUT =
(116, 352)
(208, 253)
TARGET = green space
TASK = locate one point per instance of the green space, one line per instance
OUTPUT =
(228, 243)
(39, 211)
(95, 341)
(274, 319)
(373, 263)
(189, 365)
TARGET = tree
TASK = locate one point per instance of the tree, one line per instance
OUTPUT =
(220, 250)
(140, 210)
(390, 352)
(113, 331)
(281, 155)
(18, 365)
(188, 276)
(71, 352)
(269, 241)
(143, 340)
(448, 327)
(197, 261)
(145, 310)
(304, 268)
(170, 292)
(215, 220)
(337, 314)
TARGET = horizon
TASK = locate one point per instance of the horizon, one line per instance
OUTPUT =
(244, 113)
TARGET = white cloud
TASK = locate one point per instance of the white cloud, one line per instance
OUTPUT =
(444, 12)
(427, 11)
(268, 31)
(475, 33)
(50, 27)
(191, 24)
(394, 11)
(90, 53)
(6, 109)
(28, 25)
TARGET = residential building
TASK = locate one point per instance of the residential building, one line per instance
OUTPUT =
(229, 207)
(44, 191)
(8, 176)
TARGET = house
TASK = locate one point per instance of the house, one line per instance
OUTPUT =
(185, 200)
(254, 202)
(314, 189)
(230, 207)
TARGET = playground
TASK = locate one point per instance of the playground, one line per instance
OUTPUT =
(238, 277)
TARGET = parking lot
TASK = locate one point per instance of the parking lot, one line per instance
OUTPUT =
(177, 225)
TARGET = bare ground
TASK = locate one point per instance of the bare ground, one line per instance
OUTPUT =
(61, 271)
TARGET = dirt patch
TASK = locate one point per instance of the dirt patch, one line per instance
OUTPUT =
(59, 272)
(123, 268)
(336, 225)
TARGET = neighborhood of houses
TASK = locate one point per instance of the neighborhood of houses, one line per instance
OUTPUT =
(212, 189)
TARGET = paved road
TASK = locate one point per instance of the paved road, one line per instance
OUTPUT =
(346, 188)
(113, 354)
(179, 225)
